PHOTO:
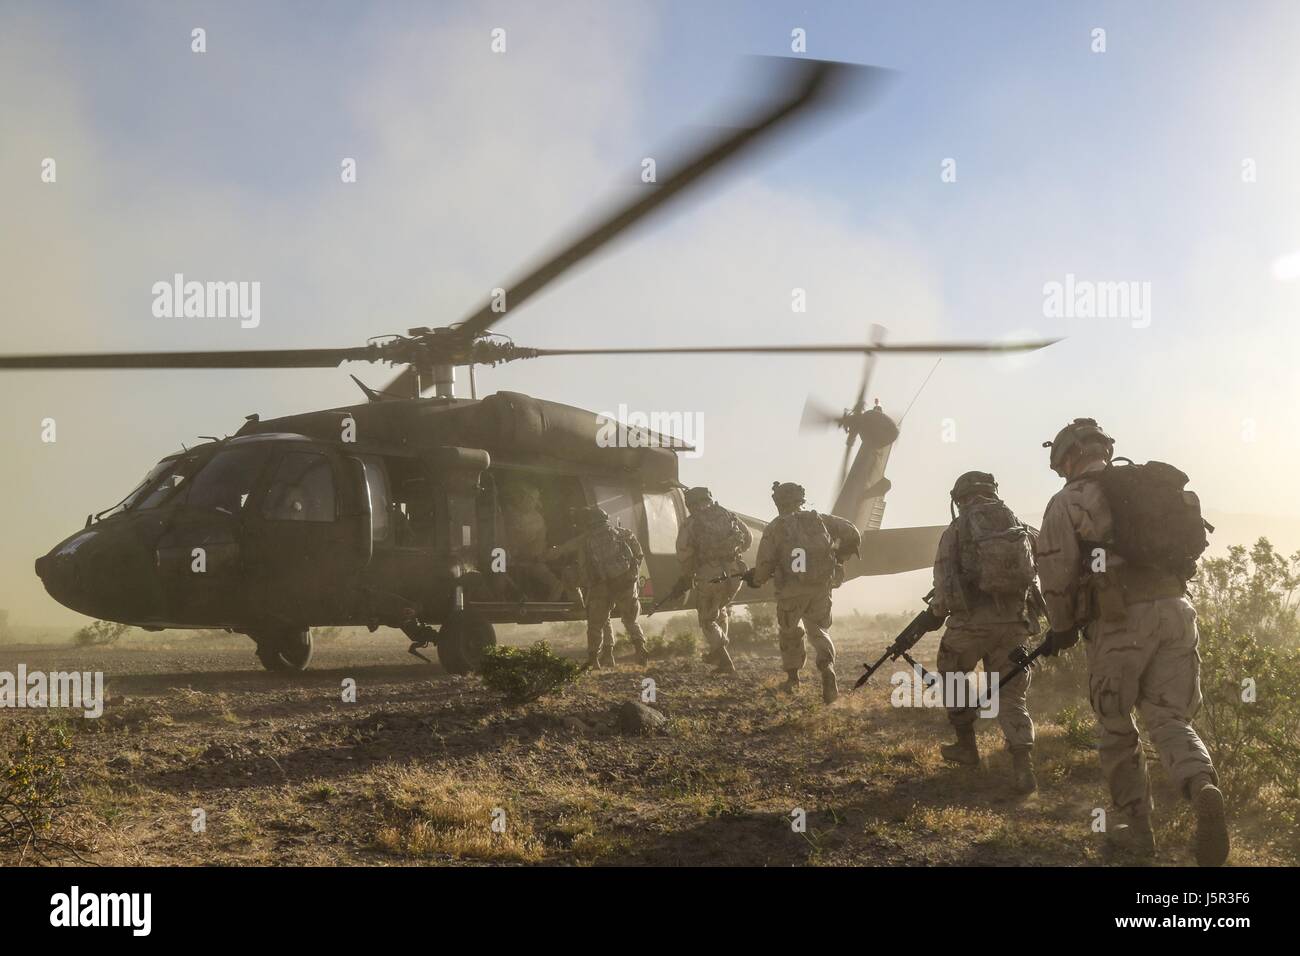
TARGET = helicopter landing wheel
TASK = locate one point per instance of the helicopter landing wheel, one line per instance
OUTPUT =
(285, 650)
(461, 641)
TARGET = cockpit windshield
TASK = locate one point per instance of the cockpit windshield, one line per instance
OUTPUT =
(161, 480)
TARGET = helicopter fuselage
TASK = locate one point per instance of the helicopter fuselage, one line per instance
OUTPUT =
(374, 514)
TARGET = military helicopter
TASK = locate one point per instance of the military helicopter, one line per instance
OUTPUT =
(434, 514)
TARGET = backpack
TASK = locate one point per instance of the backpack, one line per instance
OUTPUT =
(995, 552)
(1156, 523)
(718, 534)
(609, 554)
(806, 530)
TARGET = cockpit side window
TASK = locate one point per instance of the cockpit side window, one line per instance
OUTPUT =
(226, 481)
(302, 489)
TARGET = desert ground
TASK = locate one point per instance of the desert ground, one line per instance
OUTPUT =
(420, 768)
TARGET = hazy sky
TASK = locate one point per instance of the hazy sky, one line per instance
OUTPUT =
(1119, 166)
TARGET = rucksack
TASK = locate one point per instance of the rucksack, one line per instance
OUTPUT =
(609, 554)
(1155, 522)
(995, 550)
(718, 535)
(807, 531)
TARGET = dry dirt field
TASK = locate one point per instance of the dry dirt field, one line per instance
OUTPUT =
(414, 771)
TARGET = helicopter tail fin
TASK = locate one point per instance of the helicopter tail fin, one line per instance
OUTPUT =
(861, 500)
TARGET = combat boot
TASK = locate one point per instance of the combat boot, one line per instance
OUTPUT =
(1211, 843)
(606, 658)
(722, 661)
(593, 662)
(642, 657)
(965, 750)
(1134, 838)
(1022, 767)
(830, 690)
(791, 685)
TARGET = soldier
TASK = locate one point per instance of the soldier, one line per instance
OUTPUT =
(983, 577)
(1141, 634)
(803, 551)
(709, 546)
(609, 565)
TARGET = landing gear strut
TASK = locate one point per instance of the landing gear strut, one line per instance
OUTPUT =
(285, 649)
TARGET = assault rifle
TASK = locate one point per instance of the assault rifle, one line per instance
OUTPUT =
(907, 639)
(680, 587)
(1023, 660)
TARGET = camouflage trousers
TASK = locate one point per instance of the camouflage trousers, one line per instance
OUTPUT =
(621, 598)
(713, 602)
(1147, 661)
(814, 612)
(966, 644)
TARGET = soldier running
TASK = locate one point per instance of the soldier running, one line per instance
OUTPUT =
(983, 579)
(609, 565)
(1140, 628)
(803, 551)
(709, 546)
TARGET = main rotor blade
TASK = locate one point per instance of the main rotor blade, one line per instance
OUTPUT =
(805, 83)
(934, 348)
(253, 358)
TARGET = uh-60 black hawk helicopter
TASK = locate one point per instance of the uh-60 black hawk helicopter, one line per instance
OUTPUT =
(415, 512)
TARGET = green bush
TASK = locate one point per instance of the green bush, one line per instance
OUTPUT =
(1250, 652)
(758, 631)
(100, 632)
(526, 674)
(31, 785)
(673, 641)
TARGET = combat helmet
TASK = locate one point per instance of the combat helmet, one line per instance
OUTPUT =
(596, 516)
(1080, 432)
(974, 483)
(699, 497)
(788, 494)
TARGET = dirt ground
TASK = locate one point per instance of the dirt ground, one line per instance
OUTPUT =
(423, 764)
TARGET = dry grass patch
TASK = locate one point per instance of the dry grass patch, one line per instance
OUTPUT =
(434, 815)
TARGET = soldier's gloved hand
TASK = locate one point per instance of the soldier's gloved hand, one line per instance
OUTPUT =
(932, 621)
(1057, 641)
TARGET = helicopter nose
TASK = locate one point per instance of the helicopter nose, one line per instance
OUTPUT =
(98, 574)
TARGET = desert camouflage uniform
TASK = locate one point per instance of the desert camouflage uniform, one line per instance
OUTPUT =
(980, 629)
(1141, 646)
(799, 602)
(705, 560)
(620, 595)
